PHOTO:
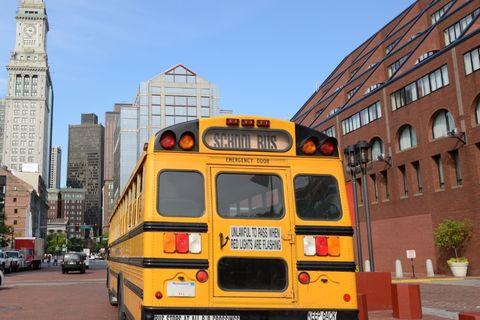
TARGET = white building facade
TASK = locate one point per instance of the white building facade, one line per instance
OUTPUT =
(55, 167)
(29, 100)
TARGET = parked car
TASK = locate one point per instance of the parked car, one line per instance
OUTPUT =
(5, 262)
(73, 262)
(2, 278)
(18, 259)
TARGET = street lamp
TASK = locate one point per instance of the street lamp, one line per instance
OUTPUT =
(351, 158)
(362, 150)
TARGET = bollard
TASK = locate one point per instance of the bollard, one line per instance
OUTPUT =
(406, 301)
(398, 269)
(430, 272)
(367, 266)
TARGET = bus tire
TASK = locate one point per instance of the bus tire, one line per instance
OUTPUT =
(121, 307)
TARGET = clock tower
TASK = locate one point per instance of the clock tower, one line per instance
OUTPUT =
(29, 100)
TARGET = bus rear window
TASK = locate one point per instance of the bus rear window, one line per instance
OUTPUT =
(180, 194)
(317, 197)
(256, 196)
(252, 274)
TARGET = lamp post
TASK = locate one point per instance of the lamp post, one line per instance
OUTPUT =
(362, 151)
(352, 163)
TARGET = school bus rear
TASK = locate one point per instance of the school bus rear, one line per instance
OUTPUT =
(248, 221)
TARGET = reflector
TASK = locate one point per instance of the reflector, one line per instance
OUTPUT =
(181, 242)
(195, 243)
(202, 276)
(321, 245)
(304, 278)
(309, 246)
(309, 147)
(167, 141)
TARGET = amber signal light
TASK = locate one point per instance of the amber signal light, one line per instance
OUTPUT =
(248, 122)
(309, 147)
(187, 141)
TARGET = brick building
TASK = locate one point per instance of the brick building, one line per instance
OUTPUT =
(67, 211)
(413, 91)
(24, 209)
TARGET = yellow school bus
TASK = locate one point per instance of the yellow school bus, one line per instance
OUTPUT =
(234, 218)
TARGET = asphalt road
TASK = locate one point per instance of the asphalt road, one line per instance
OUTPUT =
(49, 294)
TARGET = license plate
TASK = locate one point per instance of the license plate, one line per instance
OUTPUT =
(72, 262)
(180, 289)
(322, 315)
(194, 317)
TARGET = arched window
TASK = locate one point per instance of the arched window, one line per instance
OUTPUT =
(407, 138)
(442, 124)
(376, 147)
(477, 111)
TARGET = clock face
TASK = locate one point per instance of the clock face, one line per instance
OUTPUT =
(29, 30)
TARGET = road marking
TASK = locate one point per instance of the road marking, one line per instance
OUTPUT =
(53, 283)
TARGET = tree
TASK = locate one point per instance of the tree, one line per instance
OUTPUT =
(55, 242)
(75, 244)
(453, 235)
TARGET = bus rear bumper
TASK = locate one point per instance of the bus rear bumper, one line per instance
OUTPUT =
(153, 313)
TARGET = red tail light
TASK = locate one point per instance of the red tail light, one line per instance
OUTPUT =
(167, 141)
(158, 295)
(304, 278)
(181, 242)
(202, 276)
(321, 245)
(327, 148)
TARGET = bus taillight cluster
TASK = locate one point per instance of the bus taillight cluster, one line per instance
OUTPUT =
(311, 146)
(182, 242)
(321, 246)
(186, 142)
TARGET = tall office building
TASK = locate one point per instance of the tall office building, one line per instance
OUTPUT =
(29, 100)
(174, 96)
(413, 91)
(55, 167)
(85, 165)
(2, 126)
(111, 119)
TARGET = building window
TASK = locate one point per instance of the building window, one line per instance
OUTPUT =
(416, 167)
(14, 199)
(407, 138)
(362, 118)
(180, 75)
(352, 92)
(443, 123)
(439, 13)
(372, 88)
(18, 85)
(34, 85)
(403, 173)
(456, 163)
(15, 210)
(471, 61)
(386, 189)
(456, 30)
(477, 112)
(425, 56)
(420, 88)
(373, 177)
(396, 65)
(441, 179)
(330, 131)
(14, 222)
(376, 147)
(390, 47)
(26, 86)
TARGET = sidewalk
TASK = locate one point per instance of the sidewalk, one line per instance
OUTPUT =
(442, 297)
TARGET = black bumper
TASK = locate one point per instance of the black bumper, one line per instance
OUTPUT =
(152, 313)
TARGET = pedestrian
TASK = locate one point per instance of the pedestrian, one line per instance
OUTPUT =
(49, 257)
(55, 260)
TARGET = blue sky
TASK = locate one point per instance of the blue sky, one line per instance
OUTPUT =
(266, 56)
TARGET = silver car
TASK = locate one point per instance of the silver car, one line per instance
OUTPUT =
(2, 278)
(5, 262)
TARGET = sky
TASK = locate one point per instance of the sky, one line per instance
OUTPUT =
(266, 56)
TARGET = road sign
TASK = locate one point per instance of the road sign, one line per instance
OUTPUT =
(411, 254)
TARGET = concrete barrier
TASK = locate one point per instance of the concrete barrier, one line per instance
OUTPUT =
(362, 307)
(469, 316)
(376, 286)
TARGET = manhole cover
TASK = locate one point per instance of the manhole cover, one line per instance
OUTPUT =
(10, 308)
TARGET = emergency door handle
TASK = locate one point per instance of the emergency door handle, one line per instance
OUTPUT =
(223, 240)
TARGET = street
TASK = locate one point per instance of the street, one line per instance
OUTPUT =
(49, 294)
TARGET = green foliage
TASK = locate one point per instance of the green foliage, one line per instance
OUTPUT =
(75, 244)
(55, 242)
(461, 259)
(453, 234)
(5, 233)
